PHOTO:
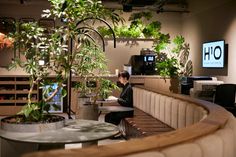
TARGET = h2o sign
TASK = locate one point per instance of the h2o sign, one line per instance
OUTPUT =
(213, 54)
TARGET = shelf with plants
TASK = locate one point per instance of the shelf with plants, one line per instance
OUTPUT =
(14, 92)
(171, 55)
(130, 39)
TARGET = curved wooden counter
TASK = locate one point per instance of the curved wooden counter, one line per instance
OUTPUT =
(216, 118)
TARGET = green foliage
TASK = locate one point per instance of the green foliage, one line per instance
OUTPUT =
(74, 10)
(168, 67)
(176, 61)
(152, 29)
(105, 32)
(106, 88)
(85, 59)
(178, 41)
(161, 42)
(35, 111)
(92, 61)
(137, 28)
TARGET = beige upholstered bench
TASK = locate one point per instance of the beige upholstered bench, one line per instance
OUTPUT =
(203, 129)
(157, 113)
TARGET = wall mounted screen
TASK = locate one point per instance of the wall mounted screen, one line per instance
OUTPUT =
(213, 54)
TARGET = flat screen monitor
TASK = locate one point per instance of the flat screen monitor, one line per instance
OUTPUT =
(213, 54)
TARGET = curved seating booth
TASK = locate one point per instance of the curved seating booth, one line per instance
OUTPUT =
(201, 129)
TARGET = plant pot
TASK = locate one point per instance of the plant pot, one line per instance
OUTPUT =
(174, 85)
(88, 111)
(52, 123)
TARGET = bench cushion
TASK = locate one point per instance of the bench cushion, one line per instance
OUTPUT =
(174, 112)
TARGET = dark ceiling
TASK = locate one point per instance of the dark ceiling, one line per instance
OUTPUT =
(126, 5)
(154, 5)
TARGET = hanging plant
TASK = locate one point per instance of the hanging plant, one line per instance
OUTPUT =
(152, 30)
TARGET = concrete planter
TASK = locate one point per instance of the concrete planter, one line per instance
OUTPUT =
(86, 110)
(14, 148)
(32, 127)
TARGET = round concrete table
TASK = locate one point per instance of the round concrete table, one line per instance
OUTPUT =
(75, 131)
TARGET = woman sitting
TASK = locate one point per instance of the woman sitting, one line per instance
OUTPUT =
(125, 99)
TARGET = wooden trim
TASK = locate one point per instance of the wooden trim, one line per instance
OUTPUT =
(216, 119)
(22, 82)
(7, 101)
(7, 91)
(7, 82)
(25, 91)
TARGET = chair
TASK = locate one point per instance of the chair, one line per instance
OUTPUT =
(225, 97)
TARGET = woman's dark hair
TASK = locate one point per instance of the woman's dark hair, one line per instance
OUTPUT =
(124, 74)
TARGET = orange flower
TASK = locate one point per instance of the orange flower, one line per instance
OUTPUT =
(5, 42)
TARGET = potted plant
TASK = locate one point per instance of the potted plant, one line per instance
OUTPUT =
(174, 63)
(67, 49)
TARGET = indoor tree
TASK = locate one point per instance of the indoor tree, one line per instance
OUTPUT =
(70, 48)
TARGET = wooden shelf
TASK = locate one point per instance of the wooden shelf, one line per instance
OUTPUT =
(25, 92)
(22, 82)
(24, 101)
(7, 82)
(7, 101)
(7, 91)
(9, 110)
(16, 87)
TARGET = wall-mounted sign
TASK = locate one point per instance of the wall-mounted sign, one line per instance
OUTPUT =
(213, 54)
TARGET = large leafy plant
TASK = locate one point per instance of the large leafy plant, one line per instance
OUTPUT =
(174, 62)
(134, 30)
(47, 53)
